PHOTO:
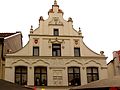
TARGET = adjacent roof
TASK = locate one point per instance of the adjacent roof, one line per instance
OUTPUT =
(5, 85)
(105, 83)
(6, 34)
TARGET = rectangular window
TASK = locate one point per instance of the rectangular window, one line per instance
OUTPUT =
(56, 49)
(35, 51)
(40, 76)
(74, 76)
(77, 52)
(21, 75)
(92, 74)
(56, 32)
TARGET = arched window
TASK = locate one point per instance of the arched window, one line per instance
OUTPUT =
(21, 75)
(40, 76)
(74, 76)
(92, 74)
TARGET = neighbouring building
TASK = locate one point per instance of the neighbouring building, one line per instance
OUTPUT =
(9, 43)
(55, 57)
(104, 84)
(114, 65)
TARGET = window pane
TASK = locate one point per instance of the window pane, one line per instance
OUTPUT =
(43, 70)
(76, 70)
(77, 76)
(95, 70)
(43, 79)
(17, 78)
(70, 70)
(95, 77)
(54, 53)
(37, 70)
(37, 79)
(56, 46)
(37, 76)
(58, 52)
(24, 79)
(89, 78)
(89, 70)
(70, 76)
(18, 70)
(24, 70)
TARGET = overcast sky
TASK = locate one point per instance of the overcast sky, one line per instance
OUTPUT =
(99, 19)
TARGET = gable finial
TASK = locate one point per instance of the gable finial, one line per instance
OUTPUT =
(55, 2)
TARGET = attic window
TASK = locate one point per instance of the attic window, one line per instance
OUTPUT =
(56, 32)
(77, 52)
(35, 51)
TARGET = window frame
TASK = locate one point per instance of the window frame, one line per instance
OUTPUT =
(57, 51)
(74, 74)
(75, 54)
(37, 48)
(40, 74)
(92, 74)
(21, 73)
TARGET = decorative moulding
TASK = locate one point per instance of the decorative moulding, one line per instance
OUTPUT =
(55, 21)
(56, 41)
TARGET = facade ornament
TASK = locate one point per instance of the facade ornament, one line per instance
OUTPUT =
(63, 47)
(41, 19)
(36, 40)
(101, 52)
(56, 21)
(55, 2)
(31, 29)
(70, 19)
(56, 41)
(79, 32)
(76, 41)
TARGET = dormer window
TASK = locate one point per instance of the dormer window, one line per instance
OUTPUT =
(56, 32)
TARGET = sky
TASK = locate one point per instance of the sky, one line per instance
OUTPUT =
(99, 20)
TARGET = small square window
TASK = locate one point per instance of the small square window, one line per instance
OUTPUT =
(56, 32)
(35, 51)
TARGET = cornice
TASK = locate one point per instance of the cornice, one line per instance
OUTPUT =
(55, 36)
(62, 57)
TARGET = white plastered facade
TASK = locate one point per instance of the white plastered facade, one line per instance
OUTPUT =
(43, 38)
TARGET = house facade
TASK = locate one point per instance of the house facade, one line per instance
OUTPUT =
(9, 43)
(114, 65)
(55, 57)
